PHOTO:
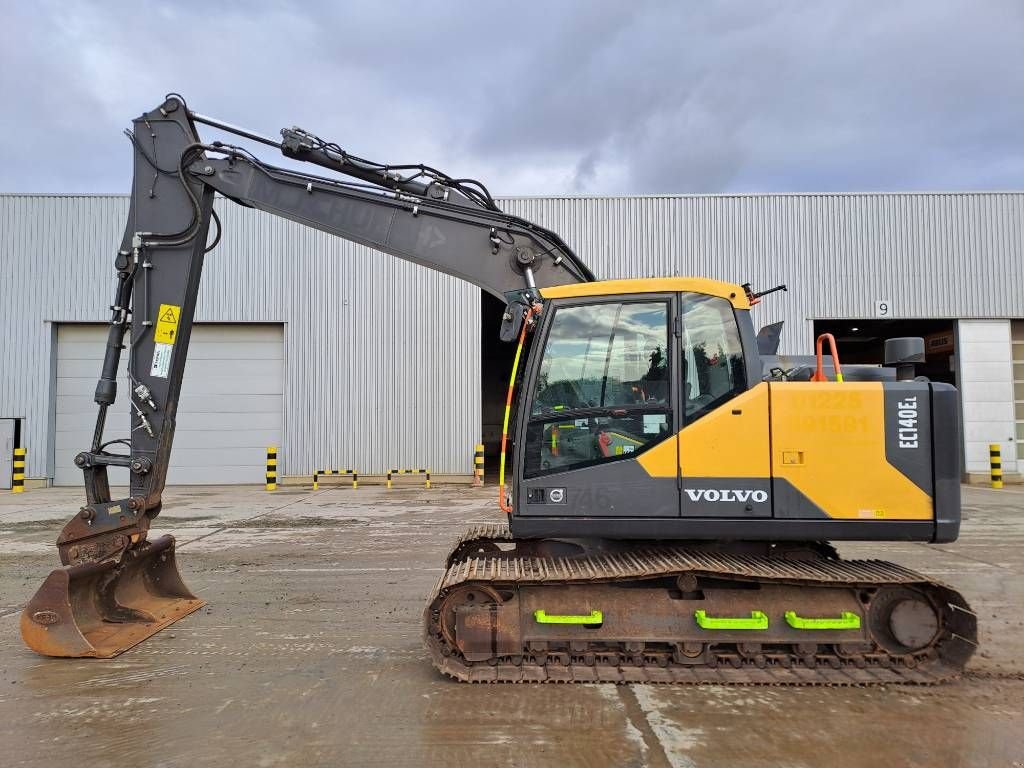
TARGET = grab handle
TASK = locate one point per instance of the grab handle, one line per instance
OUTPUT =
(847, 620)
(543, 617)
(819, 373)
(757, 620)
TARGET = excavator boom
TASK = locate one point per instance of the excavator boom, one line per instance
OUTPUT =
(117, 587)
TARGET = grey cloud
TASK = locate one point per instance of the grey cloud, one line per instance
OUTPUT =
(539, 98)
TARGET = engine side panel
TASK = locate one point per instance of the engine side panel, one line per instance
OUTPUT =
(856, 450)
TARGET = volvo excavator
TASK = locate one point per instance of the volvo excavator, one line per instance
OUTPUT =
(675, 486)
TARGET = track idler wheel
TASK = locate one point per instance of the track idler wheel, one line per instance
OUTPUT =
(102, 609)
(903, 621)
(474, 595)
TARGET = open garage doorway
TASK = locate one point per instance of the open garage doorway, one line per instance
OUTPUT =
(863, 341)
(496, 358)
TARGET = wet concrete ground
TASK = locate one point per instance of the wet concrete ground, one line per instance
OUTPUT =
(309, 654)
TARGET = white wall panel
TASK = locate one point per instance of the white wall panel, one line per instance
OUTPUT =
(985, 376)
(229, 412)
(1017, 331)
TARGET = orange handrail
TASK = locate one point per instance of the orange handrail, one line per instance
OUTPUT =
(819, 373)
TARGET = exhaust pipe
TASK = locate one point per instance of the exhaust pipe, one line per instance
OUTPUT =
(104, 608)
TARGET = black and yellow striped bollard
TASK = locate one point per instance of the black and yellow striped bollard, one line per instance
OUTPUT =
(478, 465)
(409, 472)
(995, 459)
(18, 476)
(272, 468)
(318, 472)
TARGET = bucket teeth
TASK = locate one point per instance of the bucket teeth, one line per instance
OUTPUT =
(102, 609)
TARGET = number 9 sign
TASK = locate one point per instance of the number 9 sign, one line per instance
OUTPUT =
(883, 308)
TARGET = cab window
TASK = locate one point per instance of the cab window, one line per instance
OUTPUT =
(602, 391)
(713, 369)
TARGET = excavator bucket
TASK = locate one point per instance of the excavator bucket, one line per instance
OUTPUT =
(102, 609)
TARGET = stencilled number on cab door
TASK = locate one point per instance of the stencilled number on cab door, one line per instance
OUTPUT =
(834, 423)
(592, 498)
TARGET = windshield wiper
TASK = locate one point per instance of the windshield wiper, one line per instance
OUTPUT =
(560, 411)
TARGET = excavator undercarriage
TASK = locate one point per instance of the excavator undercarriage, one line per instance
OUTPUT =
(747, 614)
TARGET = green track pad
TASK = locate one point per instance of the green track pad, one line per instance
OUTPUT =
(757, 620)
(543, 617)
(847, 620)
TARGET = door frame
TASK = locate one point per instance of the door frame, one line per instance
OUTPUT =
(529, 382)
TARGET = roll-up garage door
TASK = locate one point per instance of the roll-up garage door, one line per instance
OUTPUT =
(230, 410)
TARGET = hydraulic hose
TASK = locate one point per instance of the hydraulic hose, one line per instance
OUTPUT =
(502, 500)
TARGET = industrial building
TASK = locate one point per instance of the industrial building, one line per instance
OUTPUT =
(344, 357)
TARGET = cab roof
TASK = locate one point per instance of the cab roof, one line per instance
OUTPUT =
(729, 291)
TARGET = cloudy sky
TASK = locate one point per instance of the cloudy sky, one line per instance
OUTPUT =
(539, 97)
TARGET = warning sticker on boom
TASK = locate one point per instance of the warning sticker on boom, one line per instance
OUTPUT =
(166, 331)
(161, 360)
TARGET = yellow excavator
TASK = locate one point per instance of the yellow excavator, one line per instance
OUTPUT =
(676, 482)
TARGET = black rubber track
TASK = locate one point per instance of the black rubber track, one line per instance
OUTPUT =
(485, 566)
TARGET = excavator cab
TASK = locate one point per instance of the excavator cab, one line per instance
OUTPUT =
(618, 373)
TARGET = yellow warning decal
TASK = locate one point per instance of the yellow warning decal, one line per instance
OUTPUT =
(167, 324)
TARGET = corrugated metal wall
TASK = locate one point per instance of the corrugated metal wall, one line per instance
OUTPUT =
(930, 255)
(383, 357)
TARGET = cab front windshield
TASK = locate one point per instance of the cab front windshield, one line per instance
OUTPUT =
(603, 390)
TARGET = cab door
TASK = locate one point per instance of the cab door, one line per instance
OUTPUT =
(601, 411)
(724, 444)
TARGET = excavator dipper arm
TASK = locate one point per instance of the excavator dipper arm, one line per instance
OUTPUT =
(118, 588)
